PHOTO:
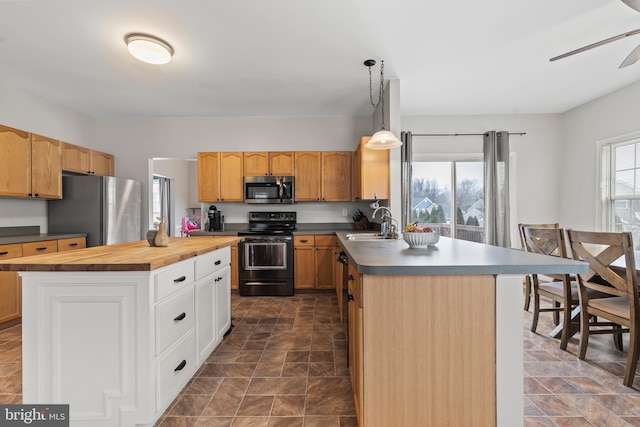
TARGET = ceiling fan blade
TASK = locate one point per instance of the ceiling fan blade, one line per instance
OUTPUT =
(633, 4)
(597, 44)
(633, 57)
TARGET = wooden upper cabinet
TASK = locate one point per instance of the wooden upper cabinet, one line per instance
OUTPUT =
(260, 163)
(370, 172)
(231, 177)
(281, 163)
(101, 163)
(307, 174)
(83, 160)
(15, 162)
(75, 158)
(256, 163)
(208, 177)
(336, 176)
(46, 167)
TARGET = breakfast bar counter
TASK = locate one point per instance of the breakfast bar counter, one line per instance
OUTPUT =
(117, 331)
(435, 334)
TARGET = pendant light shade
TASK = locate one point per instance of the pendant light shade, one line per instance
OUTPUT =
(383, 140)
(149, 49)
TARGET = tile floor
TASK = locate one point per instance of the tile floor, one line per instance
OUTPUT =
(285, 365)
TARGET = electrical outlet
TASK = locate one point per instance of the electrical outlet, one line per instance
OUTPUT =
(344, 212)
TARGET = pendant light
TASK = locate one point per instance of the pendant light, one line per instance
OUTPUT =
(148, 48)
(383, 139)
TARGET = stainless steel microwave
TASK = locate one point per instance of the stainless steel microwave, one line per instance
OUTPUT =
(269, 189)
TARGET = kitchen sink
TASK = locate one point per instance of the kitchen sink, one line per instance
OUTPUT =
(366, 236)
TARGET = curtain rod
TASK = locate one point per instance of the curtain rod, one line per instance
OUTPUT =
(461, 134)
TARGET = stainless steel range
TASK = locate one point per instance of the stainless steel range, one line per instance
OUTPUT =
(265, 256)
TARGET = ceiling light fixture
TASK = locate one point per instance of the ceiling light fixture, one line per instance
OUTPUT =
(149, 49)
(383, 139)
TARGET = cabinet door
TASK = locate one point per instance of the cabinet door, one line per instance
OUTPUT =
(10, 302)
(355, 342)
(325, 262)
(307, 173)
(75, 158)
(356, 189)
(71, 244)
(223, 301)
(205, 295)
(256, 163)
(46, 167)
(101, 164)
(15, 162)
(336, 176)
(373, 168)
(231, 177)
(234, 266)
(208, 177)
(281, 163)
(304, 262)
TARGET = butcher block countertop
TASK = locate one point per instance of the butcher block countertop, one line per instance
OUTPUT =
(132, 256)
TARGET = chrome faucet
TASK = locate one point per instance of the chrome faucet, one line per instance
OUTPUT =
(387, 229)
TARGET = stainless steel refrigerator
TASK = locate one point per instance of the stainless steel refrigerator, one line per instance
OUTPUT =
(107, 208)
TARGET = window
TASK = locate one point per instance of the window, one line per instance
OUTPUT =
(437, 186)
(622, 194)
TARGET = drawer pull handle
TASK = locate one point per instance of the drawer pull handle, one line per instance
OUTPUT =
(73, 244)
(4, 253)
(180, 317)
(41, 249)
(218, 262)
(181, 366)
(180, 279)
(304, 241)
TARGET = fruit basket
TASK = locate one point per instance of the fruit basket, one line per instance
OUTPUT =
(417, 237)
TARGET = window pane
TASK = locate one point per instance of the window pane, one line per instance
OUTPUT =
(431, 193)
(470, 201)
(624, 183)
(627, 218)
(625, 157)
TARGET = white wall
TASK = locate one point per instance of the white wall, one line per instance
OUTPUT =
(23, 110)
(537, 154)
(612, 115)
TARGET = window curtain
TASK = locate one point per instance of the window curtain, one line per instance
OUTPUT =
(406, 156)
(166, 203)
(496, 185)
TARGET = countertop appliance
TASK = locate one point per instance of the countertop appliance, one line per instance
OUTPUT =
(107, 208)
(265, 257)
(269, 189)
(215, 219)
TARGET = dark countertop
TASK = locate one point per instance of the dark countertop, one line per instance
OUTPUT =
(301, 229)
(450, 257)
(10, 240)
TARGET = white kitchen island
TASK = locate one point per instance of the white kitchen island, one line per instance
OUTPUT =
(117, 331)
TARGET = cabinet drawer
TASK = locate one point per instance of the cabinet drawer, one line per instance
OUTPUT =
(10, 251)
(300, 241)
(73, 243)
(174, 317)
(173, 370)
(212, 261)
(325, 240)
(38, 248)
(174, 279)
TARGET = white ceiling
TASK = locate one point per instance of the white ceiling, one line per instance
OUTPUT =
(298, 57)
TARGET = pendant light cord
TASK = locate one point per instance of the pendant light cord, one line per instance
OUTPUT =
(380, 91)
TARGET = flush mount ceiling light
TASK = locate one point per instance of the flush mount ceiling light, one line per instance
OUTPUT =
(149, 49)
(383, 139)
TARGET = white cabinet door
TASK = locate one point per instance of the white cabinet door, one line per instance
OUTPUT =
(206, 331)
(223, 300)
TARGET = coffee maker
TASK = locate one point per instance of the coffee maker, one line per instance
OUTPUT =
(215, 221)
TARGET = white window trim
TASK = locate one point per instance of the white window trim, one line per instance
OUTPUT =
(603, 176)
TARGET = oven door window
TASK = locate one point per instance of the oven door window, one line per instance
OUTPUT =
(265, 256)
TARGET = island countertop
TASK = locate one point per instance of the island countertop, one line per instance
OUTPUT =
(450, 257)
(131, 256)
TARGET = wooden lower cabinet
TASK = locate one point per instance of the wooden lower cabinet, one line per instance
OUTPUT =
(10, 283)
(234, 266)
(354, 316)
(314, 261)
